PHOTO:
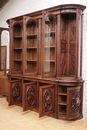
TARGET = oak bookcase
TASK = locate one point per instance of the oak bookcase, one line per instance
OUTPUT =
(46, 62)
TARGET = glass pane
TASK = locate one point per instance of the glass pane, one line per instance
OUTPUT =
(49, 50)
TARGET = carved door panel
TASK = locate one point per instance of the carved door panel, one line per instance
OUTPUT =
(73, 102)
(15, 94)
(29, 95)
(46, 100)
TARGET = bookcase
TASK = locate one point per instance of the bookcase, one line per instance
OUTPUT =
(46, 62)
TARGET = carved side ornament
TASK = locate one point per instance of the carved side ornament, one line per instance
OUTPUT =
(63, 64)
(73, 31)
(72, 64)
(75, 102)
(16, 92)
(47, 97)
(31, 95)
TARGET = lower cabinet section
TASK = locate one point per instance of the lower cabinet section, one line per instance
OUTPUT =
(52, 99)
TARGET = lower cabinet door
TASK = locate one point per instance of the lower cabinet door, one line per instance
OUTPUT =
(29, 95)
(46, 100)
(15, 93)
(73, 102)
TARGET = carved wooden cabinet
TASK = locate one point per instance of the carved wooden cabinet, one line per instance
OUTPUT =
(46, 62)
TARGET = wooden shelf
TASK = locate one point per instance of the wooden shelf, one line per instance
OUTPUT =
(17, 37)
(31, 35)
(62, 103)
(31, 47)
(49, 47)
(18, 60)
(31, 60)
(17, 48)
(62, 94)
(49, 60)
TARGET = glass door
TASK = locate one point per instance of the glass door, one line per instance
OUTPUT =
(49, 46)
(31, 46)
(16, 47)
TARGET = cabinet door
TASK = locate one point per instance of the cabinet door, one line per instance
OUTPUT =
(15, 93)
(46, 100)
(73, 102)
(29, 95)
(31, 45)
(16, 47)
(49, 43)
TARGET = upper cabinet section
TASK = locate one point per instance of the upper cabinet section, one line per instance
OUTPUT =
(48, 43)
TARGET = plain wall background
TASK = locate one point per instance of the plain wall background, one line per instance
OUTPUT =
(19, 7)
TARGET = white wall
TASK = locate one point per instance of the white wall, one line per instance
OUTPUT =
(19, 7)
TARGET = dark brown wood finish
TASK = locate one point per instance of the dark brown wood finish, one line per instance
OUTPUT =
(46, 62)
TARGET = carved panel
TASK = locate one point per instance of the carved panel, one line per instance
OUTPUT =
(75, 102)
(72, 47)
(30, 95)
(72, 64)
(63, 47)
(73, 31)
(16, 92)
(47, 97)
(63, 30)
(63, 64)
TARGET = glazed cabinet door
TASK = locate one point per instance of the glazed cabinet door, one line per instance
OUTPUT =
(46, 100)
(73, 102)
(29, 95)
(15, 93)
(31, 46)
(16, 47)
(49, 45)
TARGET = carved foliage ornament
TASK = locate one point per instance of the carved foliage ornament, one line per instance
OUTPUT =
(73, 31)
(16, 92)
(63, 47)
(47, 97)
(75, 102)
(63, 30)
(72, 64)
(31, 95)
(63, 63)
